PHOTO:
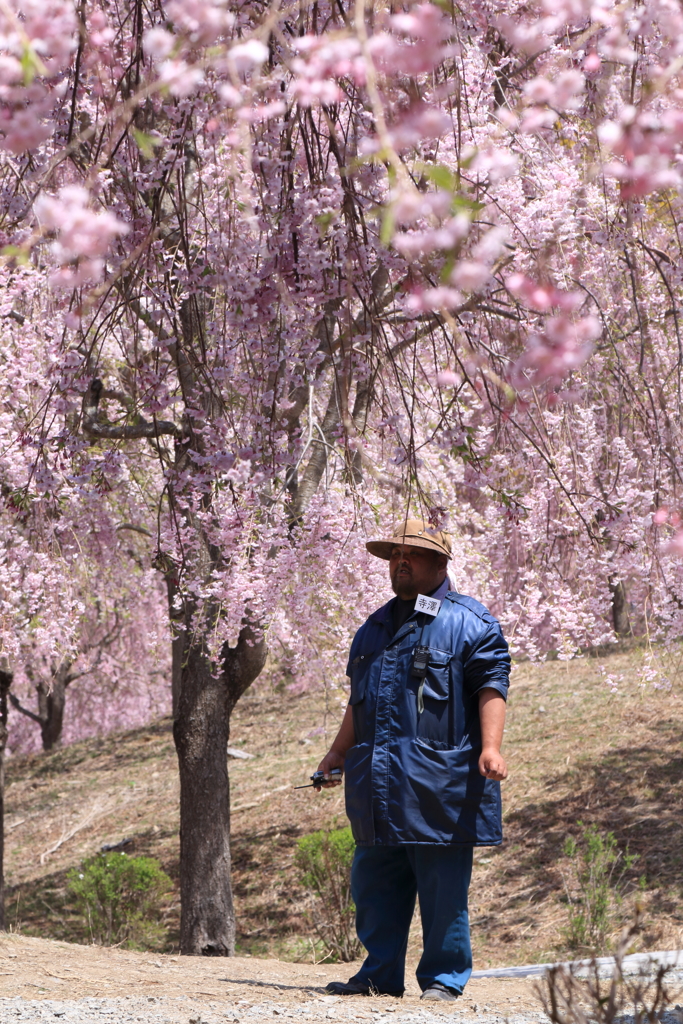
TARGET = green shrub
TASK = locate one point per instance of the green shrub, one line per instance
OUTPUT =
(119, 895)
(324, 863)
(599, 867)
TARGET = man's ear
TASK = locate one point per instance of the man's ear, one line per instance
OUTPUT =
(441, 562)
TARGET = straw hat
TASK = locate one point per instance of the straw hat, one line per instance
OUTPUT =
(413, 533)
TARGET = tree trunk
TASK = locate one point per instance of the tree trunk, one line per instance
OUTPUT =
(201, 730)
(620, 616)
(5, 683)
(51, 704)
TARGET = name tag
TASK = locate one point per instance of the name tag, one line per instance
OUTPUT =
(428, 605)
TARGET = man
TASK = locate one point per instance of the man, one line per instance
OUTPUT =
(420, 748)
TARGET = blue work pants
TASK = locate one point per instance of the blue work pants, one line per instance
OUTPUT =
(384, 883)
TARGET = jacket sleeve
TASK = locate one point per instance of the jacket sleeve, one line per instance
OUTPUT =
(487, 662)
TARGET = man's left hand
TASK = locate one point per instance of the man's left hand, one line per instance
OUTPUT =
(492, 765)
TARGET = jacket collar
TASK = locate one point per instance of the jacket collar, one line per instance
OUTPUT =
(383, 615)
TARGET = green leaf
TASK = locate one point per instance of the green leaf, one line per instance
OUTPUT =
(466, 161)
(27, 66)
(387, 229)
(324, 220)
(443, 177)
(463, 202)
(146, 143)
(15, 252)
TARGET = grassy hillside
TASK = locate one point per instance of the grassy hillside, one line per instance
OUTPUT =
(577, 753)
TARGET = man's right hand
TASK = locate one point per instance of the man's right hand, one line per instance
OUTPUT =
(331, 760)
(336, 755)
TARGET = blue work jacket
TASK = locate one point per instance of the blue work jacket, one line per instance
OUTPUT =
(412, 775)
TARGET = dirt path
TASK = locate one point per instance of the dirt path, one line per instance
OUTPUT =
(193, 989)
(45, 981)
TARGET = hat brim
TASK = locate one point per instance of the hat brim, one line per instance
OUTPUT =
(383, 548)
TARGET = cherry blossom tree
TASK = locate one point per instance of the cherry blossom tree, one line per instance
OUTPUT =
(119, 659)
(290, 273)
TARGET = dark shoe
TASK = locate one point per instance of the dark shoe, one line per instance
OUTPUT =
(440, 992)
(356, 988)
(347, 988)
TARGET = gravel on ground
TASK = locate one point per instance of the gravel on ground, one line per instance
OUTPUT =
(42, 980)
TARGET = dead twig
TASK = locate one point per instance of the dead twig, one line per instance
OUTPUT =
(96, 811)
(568, 999)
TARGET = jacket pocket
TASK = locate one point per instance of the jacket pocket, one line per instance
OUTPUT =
(433, 701)
(359, 674)
(437, 684)
(359, 667)
(445, 799)
(358, 792)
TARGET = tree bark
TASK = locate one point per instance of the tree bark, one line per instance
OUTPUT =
(5, 683)
(201, 731)
(51, 704)
(175, 617)
(620, 616)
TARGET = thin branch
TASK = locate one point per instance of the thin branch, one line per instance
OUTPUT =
(128, 432)
(134, 528)
(18, 706)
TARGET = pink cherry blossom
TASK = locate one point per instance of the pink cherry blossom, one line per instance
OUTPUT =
(204, 21)
(158, 43)
(82, 234)
(433, 298)
(470, 275)
(675, 545)
(180, 77)
(246, 56)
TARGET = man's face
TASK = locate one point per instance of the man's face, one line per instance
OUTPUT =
(415, 571)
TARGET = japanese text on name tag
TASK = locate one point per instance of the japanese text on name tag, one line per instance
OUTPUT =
(428, 605)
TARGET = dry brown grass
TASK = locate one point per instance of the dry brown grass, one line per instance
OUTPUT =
(576, 753)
